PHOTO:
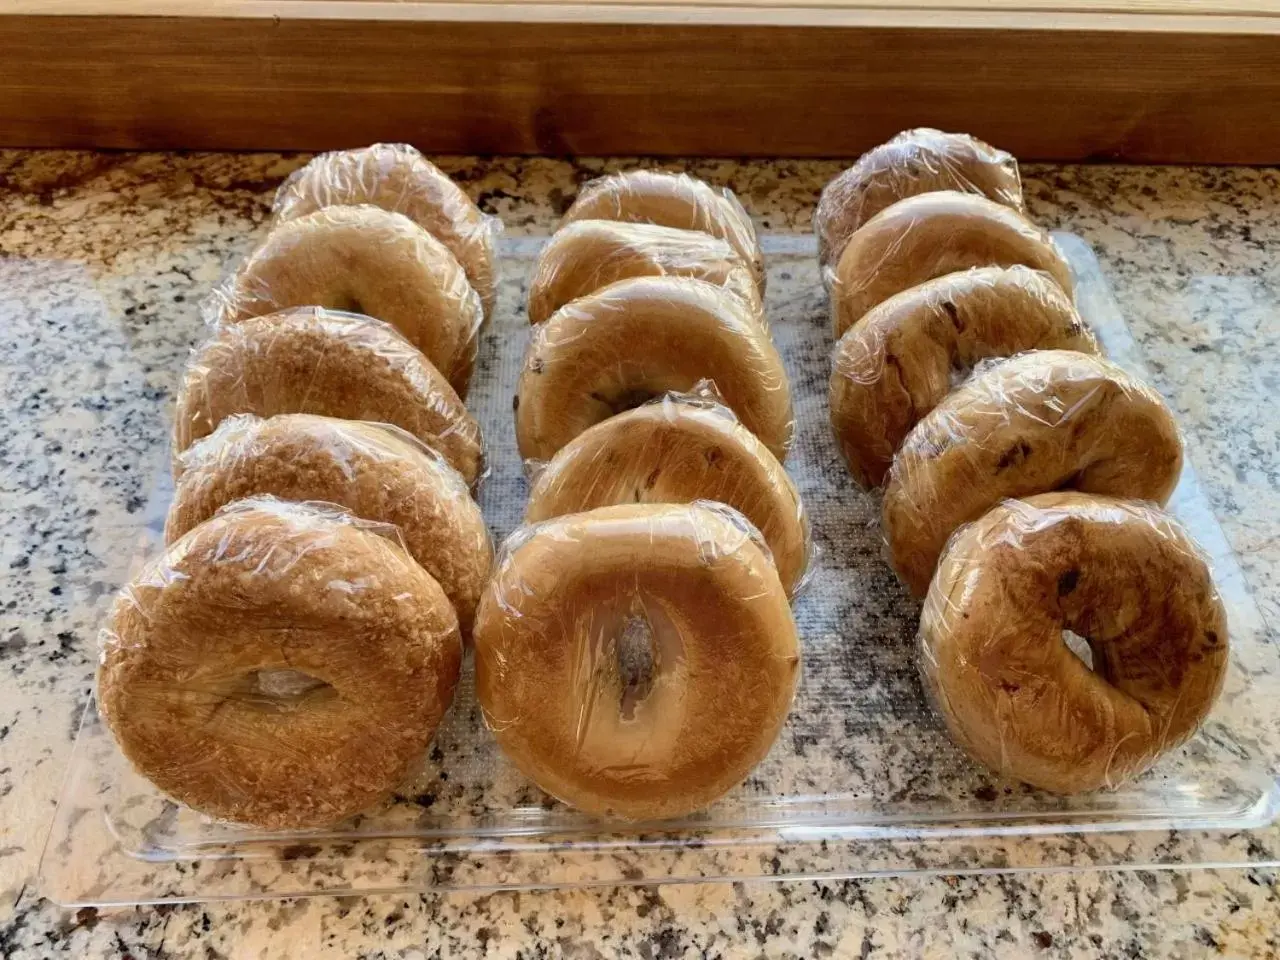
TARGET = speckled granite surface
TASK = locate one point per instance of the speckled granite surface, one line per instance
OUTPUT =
(102, 259)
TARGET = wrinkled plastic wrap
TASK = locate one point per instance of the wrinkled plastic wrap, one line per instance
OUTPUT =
(363, 260)
(679, 449)
(1042, 421)
(1123, 575)
(672, 200)
(637, 339)
(914, 162)
(587, 255)
(636, 661)
(895, 364)
(931, 235)
(377, 471)
(333, 364)
(396, 177)
(282, 665)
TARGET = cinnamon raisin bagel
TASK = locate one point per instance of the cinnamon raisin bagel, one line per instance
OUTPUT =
(895, 364)
(677, 450)
(636, 661)
(1042, 421)
(311, 360)
(637, 339)
(376, 471)
(930, 235)
(1123, 575)
(279, 665)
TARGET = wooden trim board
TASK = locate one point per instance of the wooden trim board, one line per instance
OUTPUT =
(719, 89)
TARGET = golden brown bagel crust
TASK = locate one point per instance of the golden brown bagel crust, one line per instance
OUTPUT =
(895, 364)
(678, 450)
(671, 200)
(586, 255)
(365, 260)
(1045, 420)
(636, 340)
(928, 236)
(332, 364)
(564, 705)
(376, 471)
(396, 177)
(913, 162)
(1014, 696)
(268, 587)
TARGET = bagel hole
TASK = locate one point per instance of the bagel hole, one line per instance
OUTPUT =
(1079, 646)
(626, 400)
(633, 653)
(282, 689)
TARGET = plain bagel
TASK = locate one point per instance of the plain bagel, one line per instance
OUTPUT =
(895, 364)
(636, 661)
(376, 471)
(1042, 421)
(639, 339)
(930, 235)
(279, 665)
(671, 200)
(311, 360)
(1122, 574)
(678, 450)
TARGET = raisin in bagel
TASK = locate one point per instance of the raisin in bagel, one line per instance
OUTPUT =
(1043, 421)
(376, 471)
(895, 364)
(930, 235)
(678, 450)
(636, 661)
(1121, 574)
(279, 665)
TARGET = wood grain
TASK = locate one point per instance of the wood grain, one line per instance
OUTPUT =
(610, 88)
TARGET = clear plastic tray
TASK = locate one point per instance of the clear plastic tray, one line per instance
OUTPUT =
(862, 781)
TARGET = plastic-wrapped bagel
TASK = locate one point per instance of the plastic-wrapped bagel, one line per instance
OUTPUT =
(1122, 574)
(377, 471)
(279, 665)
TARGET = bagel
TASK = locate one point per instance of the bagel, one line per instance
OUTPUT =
(1122, 574)
(312, 360)
(279, 665)
(1042, 421)
(364, 260)
(895, 364)
(933, 234)
(636, 661)
(671, 200)
(913, 162)
(584, 256)
(376, 471)
(396, 177)
(678, 450)
(638, 339)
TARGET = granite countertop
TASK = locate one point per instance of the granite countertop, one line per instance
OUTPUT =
(103, 260)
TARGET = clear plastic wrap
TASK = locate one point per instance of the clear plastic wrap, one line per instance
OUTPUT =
(282, 665)
(377, 471)
(1042, 421)
(396, 177)
(672, 200)
(334, 364)
(363, 260)
(636, 661)
(895, 364)
(637, 339)
(930, 235)
(678, 449)
(587, 255)
(1121, 574)
(915, 161)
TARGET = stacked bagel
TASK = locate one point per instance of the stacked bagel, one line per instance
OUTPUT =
(635, 650)
(288, 658)
(1025, 502)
